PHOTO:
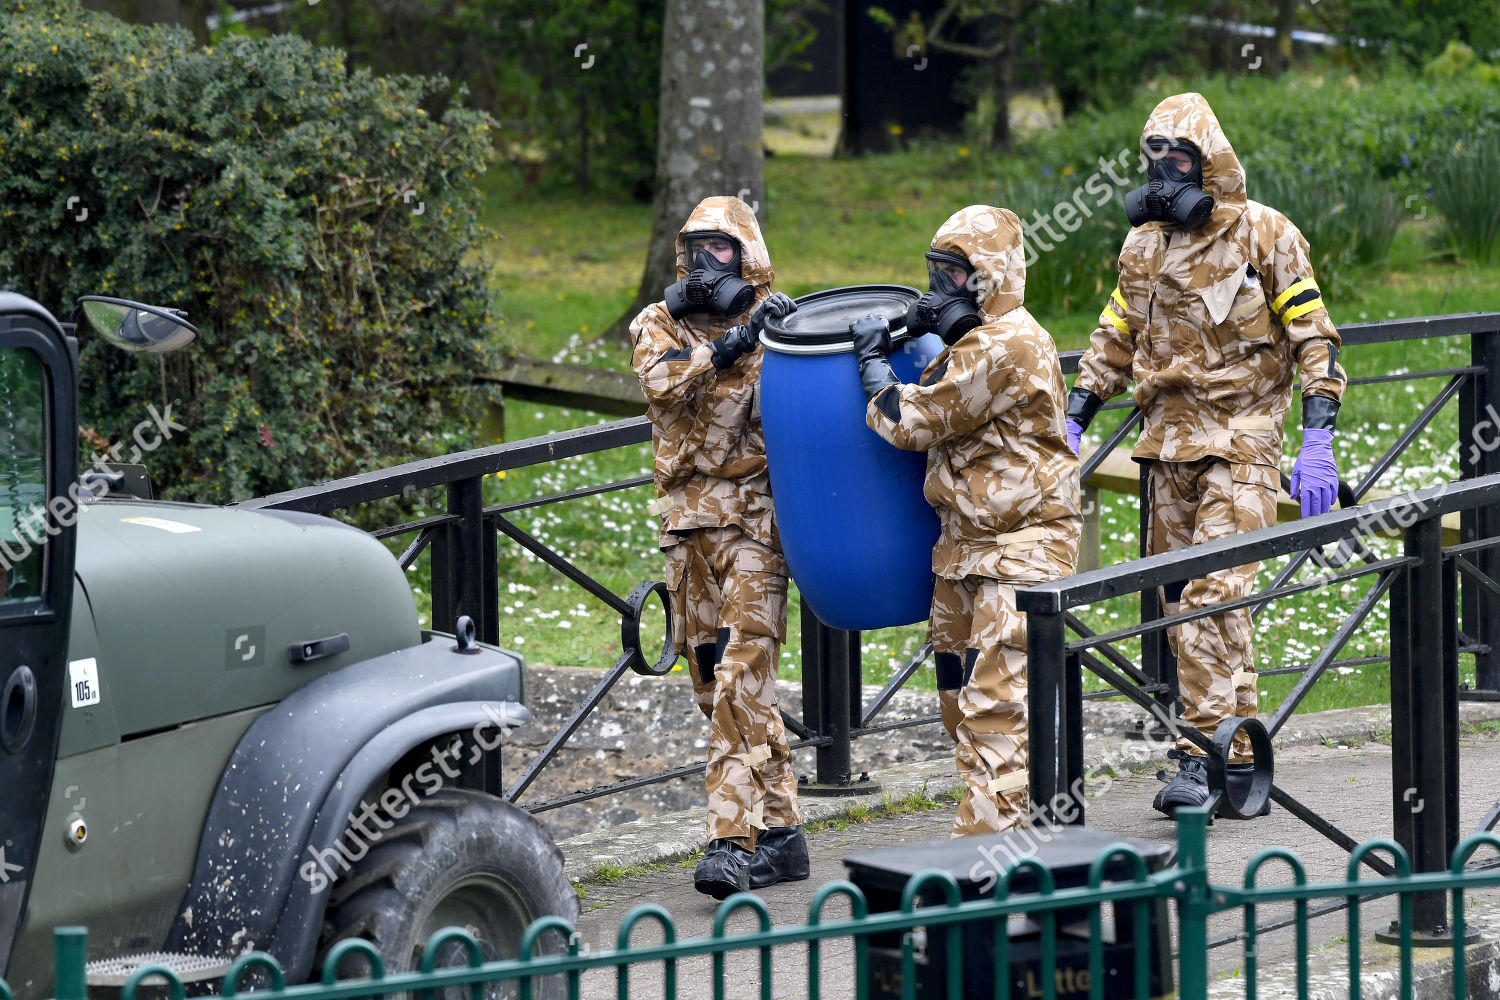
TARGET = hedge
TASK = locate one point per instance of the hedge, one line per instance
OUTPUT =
(318, 225)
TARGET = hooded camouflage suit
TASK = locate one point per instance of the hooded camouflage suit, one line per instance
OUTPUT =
(990, 411)
(1212, 324)
(725, 570)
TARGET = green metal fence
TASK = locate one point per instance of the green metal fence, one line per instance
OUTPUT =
(1186, 883)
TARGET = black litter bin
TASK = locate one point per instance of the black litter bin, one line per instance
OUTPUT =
(975, 863)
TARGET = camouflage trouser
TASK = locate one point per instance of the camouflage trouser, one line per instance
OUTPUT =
(729, 617)
(977, 616)
(953, 658)
(1199, 502)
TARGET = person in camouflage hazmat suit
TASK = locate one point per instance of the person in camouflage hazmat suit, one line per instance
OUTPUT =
(700, 371)
(1214, 313)
(990, 413)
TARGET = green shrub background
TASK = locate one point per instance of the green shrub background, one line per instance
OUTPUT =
(1346, 158)
(318, 224)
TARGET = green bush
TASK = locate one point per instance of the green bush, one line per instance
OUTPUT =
(1410, 30)
(1387, 128)
(318, 225)
(1466, 189)
(1459, 61)
(1345, 160)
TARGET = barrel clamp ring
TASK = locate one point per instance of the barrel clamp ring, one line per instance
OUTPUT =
(1263, 769)
(630, 629)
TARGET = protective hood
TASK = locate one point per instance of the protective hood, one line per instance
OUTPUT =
(1188, 118)
(991, 239)
(727, 214)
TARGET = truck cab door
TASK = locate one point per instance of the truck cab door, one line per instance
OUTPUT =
(38, 465)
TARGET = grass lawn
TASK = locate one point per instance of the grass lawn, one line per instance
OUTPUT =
(564, 270)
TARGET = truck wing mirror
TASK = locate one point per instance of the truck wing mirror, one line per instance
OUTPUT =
(134, 327)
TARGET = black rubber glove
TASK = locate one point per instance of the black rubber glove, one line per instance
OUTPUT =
(741, 340)
(1082, 405)
(734, 344)
(871, 338)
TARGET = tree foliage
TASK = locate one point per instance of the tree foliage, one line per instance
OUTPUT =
(572, 82)
(319, 226)
(562, 125)
(1094, 52)
(1414, 31)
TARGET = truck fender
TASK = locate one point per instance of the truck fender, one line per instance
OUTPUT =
(286, 796)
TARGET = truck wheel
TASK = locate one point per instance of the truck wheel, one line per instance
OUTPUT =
(459, 859)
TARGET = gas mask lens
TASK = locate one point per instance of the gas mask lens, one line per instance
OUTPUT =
(946, 272)
(1172, 161)
(718, 250)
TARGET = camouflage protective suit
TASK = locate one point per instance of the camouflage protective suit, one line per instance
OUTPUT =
(1212, 324)
(990, 411)
(725, 571)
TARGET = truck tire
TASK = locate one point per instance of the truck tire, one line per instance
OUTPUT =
(460, 858)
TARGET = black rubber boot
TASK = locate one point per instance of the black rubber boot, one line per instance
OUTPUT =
(780, 856)
(1238, 779)
(724, 870)
(1189, 787)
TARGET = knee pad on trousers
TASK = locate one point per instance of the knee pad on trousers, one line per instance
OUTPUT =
(971, 657)
(720, 645)
(950, 671)
(1172, 592)
(707, 655)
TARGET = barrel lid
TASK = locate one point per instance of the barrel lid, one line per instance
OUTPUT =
(822, 319)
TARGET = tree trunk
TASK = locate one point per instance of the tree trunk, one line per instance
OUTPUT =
(709, 136)
(1000, 87)
(1286, 14)
(583, 140)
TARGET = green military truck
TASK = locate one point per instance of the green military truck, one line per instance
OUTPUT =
(222, 730)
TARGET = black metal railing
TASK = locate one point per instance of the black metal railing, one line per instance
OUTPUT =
(463, 542)
(1422, 587)
(1476, 386)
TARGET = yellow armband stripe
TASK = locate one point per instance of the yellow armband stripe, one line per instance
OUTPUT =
(1113, 318)
(1300, 298)
(1296, 288)
(1301, 309)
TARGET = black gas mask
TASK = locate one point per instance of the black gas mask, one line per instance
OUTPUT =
(713, 284)
(948, 309)
(1170, 194)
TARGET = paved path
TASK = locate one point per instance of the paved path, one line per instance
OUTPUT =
(1350, 785)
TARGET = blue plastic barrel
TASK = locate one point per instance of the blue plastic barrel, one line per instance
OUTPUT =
(856, 530)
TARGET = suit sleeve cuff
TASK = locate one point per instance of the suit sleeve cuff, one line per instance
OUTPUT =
(1082, 405)
(1319, 413)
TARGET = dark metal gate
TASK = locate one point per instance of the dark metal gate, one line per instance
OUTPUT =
(464, 568)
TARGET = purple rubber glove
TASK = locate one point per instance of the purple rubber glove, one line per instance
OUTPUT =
(1315, 478)
(1075, 434)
